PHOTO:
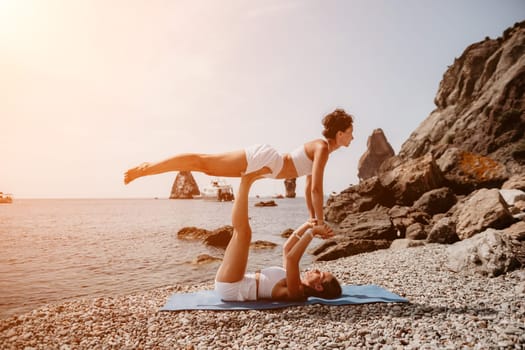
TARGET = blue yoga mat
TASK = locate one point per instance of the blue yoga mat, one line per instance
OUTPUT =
(208, 300)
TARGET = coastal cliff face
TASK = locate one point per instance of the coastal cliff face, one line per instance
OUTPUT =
(451, 178)
(480, 104)
(184, 186)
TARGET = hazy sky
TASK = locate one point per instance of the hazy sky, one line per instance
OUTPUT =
(91, 88)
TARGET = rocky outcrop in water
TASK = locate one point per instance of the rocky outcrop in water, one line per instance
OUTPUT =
(447, 183)
(218, 238)
(378, 150)
(184, 186)
(289, 186)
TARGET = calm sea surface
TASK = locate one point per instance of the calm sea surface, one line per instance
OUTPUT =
(53, 250)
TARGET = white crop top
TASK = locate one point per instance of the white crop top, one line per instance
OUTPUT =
(268, 278)
(303, 164)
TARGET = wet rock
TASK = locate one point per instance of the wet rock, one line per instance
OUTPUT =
(287, 233)
(220, 237)
(270, 203)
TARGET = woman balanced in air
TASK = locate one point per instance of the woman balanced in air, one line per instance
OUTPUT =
(263, 160)
(232, 283)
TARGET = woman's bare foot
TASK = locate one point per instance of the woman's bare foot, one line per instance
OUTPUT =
(135, 173)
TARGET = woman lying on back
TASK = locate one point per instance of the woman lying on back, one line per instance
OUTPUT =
(232, 282)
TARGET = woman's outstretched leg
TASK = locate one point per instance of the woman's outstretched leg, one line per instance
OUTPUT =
(231, 164)
(235, 259)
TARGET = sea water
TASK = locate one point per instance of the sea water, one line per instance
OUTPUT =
(53, 250)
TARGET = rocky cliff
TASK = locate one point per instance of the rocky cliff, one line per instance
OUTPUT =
(480, 104)
(451, 178)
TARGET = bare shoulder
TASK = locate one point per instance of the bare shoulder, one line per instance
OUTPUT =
(315, 146)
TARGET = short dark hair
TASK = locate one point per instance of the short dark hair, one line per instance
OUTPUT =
(331, 290)
(336, 121)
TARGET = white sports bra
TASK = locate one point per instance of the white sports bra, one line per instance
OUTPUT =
(268, 278)
(303, 164)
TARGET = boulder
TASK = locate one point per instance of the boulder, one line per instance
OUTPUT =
(443, 231)
(219, 237)
(378, 150)
(340, 205)
(482, 209)
(184, 186)
(436, 201)
(368, 226)
(490, 253)
(407, 182)
(465, 171)
(348, 247)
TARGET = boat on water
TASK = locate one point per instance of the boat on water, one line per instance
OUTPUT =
(218, 191)
(6, 198)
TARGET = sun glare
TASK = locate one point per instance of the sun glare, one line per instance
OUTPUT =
(15, 18)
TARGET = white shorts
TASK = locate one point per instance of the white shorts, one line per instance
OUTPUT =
(245, 289)
(260, 156)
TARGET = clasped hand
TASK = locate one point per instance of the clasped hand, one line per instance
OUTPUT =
(322, 231)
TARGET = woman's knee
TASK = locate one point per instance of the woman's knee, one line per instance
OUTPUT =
(242, 234)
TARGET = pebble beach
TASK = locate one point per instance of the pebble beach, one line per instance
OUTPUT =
(446, 311)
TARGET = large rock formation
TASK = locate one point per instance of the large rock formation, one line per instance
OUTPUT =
(378, 150)
(444, 184)
(480, 104)
(184, 186)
